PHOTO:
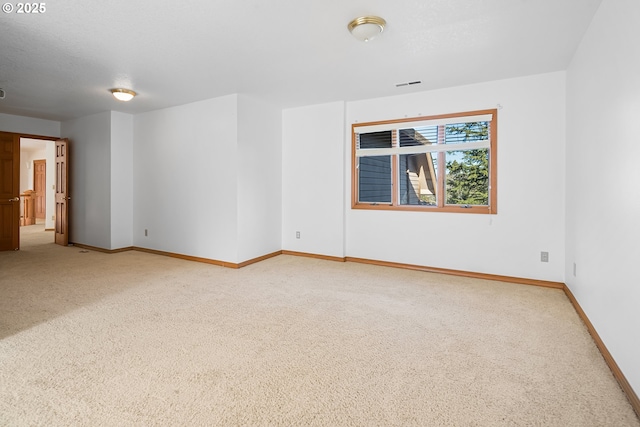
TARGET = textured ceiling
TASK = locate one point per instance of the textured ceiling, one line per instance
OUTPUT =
(60, 64)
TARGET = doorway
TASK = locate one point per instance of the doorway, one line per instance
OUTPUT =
(37, 177)
(17, 152)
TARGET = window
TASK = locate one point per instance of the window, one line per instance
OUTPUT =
(443, 163)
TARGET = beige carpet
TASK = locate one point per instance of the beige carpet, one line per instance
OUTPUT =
(137, 339)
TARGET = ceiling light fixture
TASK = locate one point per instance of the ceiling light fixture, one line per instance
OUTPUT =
(366, 28)
(123, 94)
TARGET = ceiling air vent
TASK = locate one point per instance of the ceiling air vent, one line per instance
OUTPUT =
(416, 82)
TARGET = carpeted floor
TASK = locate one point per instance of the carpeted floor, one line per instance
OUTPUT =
(137, 339)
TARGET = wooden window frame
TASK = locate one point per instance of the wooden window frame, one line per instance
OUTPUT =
(491, 208)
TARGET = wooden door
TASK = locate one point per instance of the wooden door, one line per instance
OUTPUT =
(62, 192)
(9, 192)
(40, 187)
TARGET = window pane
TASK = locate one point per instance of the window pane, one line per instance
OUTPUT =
(375, 140)
(467, 177)
(417, 179)
(435, 163)
(466, 132)
(374, 179)
(419, 136)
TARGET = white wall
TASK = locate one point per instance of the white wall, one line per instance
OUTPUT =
(28, 125)
(184, 179)
(313, 179)
(121, 180)
(90, 179)
(603, 180)
(26, 167)
(530, 219)
(259, 178)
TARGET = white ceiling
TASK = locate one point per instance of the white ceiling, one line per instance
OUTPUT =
(60, 64)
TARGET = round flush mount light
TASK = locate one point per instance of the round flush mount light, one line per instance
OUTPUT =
(366, 28)
(123, 94)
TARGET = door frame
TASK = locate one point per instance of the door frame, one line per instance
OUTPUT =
(21, 135)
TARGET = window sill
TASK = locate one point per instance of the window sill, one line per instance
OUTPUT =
(486, 210)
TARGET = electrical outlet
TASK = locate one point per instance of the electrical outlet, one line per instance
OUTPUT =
(575, 268)
(146, 232)
(544, 256)
(297, 234)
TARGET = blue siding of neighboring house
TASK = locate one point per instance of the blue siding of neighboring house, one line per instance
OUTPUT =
(374, 173)
(375, 179)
